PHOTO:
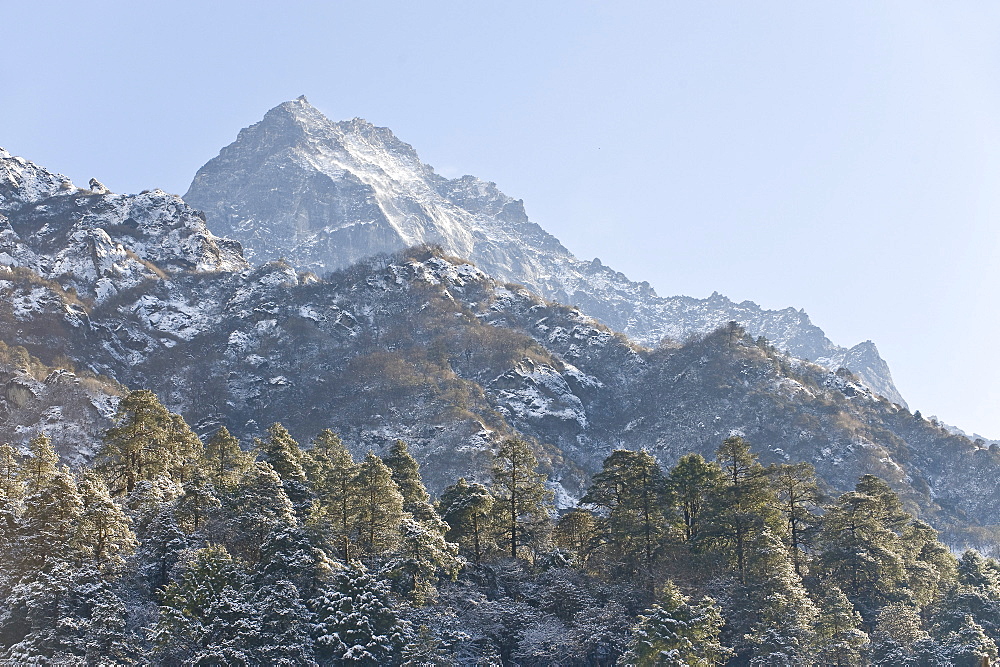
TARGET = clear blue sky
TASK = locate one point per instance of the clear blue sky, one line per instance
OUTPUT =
(839, 157)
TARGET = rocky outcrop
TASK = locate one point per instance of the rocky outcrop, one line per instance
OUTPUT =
(98, 243)
(72, 410)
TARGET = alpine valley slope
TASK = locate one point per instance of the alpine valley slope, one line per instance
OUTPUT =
(325, 194)
(417, 346)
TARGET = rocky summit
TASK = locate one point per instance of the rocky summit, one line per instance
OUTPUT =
(323, 195)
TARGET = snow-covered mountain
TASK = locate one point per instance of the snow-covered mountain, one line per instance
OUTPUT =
(324, 194)
(415, 345)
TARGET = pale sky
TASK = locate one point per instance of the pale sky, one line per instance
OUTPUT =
(837, 157)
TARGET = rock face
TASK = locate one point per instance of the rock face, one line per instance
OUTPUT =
(324, 194)
(72, 410)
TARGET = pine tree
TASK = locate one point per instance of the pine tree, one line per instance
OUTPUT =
(58, 616)
(197, 504)
(742, 507)
(770, 612)
(631, 494)
(798, 493)
(288, 555)
(930, 567)
(254, 509)
(284, 455)
(206, 572)
(862, 550)
(225, 461)
(575, 532)
(979, 573)
(677, 632)
(840, 640)
(331, 471)
(48, 526)
(354, 621)
(10, 515)
(188, 605)
(162, 545)
(281, 636)
(107, 640)
(104, 536)
(928, 651)
(423, 550)
(898, 634)
(888, 508)
(467, 508)
(229, 632)
(26, 613)
(148, 499)
(422, 554)
(969, 645)
(975, 593)
(522, 501)
(406, 473)
(11, 477)
(692, 482)
(379, 509)
(40, 466)
(146, 441)
(185, 450)
(11, 490)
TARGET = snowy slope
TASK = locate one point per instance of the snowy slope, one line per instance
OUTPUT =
(326, 194)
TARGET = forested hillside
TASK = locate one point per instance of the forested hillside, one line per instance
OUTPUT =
(171, 550)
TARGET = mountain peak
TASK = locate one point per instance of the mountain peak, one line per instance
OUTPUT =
(298, 125)
(327, 194)
(865, 360)
(351, 189)
(297, 112)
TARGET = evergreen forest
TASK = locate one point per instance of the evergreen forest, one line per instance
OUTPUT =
(173, 550)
